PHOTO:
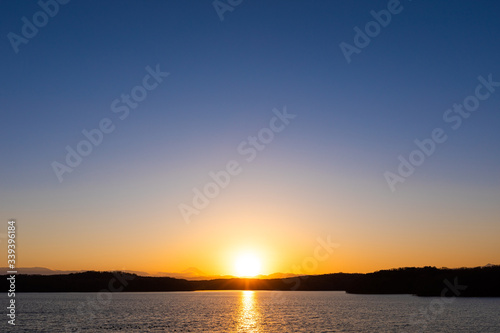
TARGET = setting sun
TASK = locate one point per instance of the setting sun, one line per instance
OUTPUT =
(247, 265)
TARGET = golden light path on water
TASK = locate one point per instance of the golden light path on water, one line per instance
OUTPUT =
(248, 314)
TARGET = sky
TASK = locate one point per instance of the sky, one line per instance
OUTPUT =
(307, 112)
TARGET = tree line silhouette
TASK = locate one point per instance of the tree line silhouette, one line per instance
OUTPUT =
(426, 281)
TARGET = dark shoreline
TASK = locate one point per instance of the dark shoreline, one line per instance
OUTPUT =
(426, 281)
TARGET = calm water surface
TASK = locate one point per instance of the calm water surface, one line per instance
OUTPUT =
(251, 311)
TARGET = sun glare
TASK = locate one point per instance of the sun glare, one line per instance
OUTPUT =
(247, 265)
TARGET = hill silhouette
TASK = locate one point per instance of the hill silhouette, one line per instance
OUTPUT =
(426, 281)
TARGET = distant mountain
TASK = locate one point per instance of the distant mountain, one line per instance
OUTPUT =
(191, 273)
(37, 270)
(276, 276)
(47, 271)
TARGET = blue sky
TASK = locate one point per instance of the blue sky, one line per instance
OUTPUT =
(353, 120)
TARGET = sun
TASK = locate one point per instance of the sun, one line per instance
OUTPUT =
(247, 265)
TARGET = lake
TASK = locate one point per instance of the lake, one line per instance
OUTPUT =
(251, 311)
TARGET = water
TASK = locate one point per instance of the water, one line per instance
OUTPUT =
(251, 311)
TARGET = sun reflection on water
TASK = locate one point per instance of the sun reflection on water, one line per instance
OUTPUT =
(248, 313)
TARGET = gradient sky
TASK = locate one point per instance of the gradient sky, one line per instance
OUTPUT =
(321, 176)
